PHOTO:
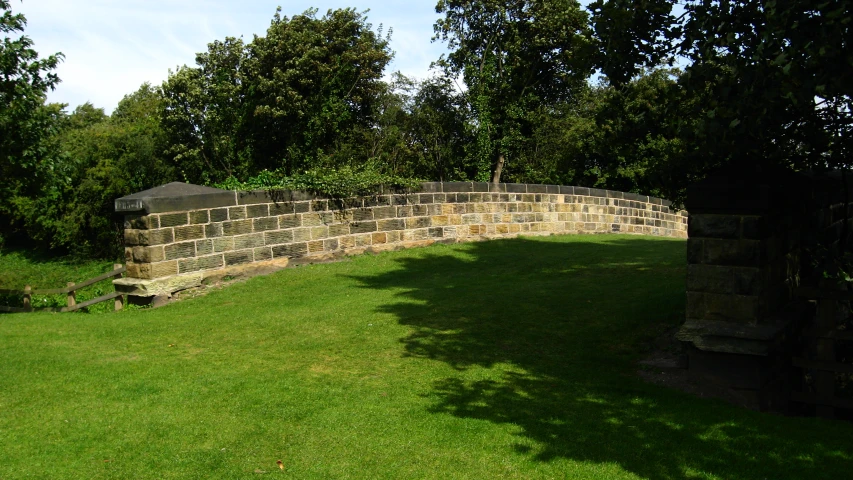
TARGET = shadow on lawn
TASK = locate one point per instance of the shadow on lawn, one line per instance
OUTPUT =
(564, 322)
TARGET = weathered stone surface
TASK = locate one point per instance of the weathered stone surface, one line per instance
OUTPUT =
(199, 216)
(262, 253)
(179, 250)
(339, 229)
(218, 214)
(204, 247)
(293, 250)
(391, 224)
(265, 223)
(201, 263)
(238, 257)
(223, 244)
(714, 226)
(141, 222)
(238, 227)
(173, 197)
(745, 253)
(258, 210)
(213, 230)
(173, 219)
(289, 221)
(237, 213)
(363, 227)
(189, 232)
(158, 286)
(278, 237)
(253, 240)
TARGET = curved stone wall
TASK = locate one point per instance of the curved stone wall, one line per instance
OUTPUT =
(187, 230)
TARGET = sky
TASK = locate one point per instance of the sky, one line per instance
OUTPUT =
(112, 47)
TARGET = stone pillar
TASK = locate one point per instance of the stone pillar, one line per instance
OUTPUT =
(743, 256)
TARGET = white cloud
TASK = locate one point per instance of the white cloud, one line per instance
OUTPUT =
(111, 47)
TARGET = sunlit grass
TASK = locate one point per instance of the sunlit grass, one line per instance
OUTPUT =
(502, 359)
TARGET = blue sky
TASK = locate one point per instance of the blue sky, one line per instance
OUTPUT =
(112, 46)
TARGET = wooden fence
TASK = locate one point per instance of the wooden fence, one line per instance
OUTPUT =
(822, 336)
(70, 291)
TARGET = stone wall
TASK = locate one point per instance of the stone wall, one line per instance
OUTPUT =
(180, 229)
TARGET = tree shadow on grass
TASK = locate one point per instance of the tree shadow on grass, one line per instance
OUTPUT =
(561, 322)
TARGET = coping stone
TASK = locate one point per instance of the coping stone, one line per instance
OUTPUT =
(174, 197)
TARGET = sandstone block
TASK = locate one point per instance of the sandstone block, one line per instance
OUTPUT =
(293, 250)
(189, 232)
(237, 227)
(278, 237)
(199, 216)
(173, 219)
(265, 223)
(218, 214)
(238, 257)
(179, 250)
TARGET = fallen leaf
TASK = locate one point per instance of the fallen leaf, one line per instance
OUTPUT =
(280, 464)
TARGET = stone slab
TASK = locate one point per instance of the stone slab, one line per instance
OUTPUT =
(174, 197)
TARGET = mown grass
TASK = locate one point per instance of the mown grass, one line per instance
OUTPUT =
(502, 359)
(19, 268)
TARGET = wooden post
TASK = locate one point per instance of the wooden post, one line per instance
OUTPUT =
(28, 299)
(825, 352)
(119, 304)
(72, 295)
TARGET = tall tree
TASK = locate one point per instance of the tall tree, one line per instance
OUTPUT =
(312, 81)
(25, 122)
(773, 81)
(513, 56)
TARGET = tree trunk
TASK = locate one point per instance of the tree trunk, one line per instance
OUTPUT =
(496, 178)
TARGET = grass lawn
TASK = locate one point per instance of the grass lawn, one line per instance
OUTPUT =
(501, 359)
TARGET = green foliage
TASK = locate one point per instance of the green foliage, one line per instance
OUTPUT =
(26, 124)
(291, 100)
(771, 81)
(513, 56)
(339, 184)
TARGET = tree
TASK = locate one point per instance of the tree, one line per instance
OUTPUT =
(772, 82)
(204, 113)
(312, 81)
(513, 55)
(25, 122)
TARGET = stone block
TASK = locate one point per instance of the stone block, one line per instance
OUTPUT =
(319, 233)
(302, 207)
(435, 232)
(281, 208)
(404, 211)
(258, 210)
(141, 222)
(213, 230)
(224, 244)
(173, 219)
(363, 227)
(202, 263)
(362, 214)
(203, 247)
(218, 214)
(379, 238)
(189, 232)
(289, 221)
(253, 240)
(199, 216)
(734, 308)
(301, 234)
(237, 213)
(278, 237)
(746, 253)
(431, 187)
(384, 212)
(710, 279)
(164, 269)
(262, 253)
(714, 226)
(179, 250)
(315, 246)
(331, 244)
(391, 224)
(157, 237)
(237, 227)
(265, 223)
(417, 222)
(238, 257)
(336, 230)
